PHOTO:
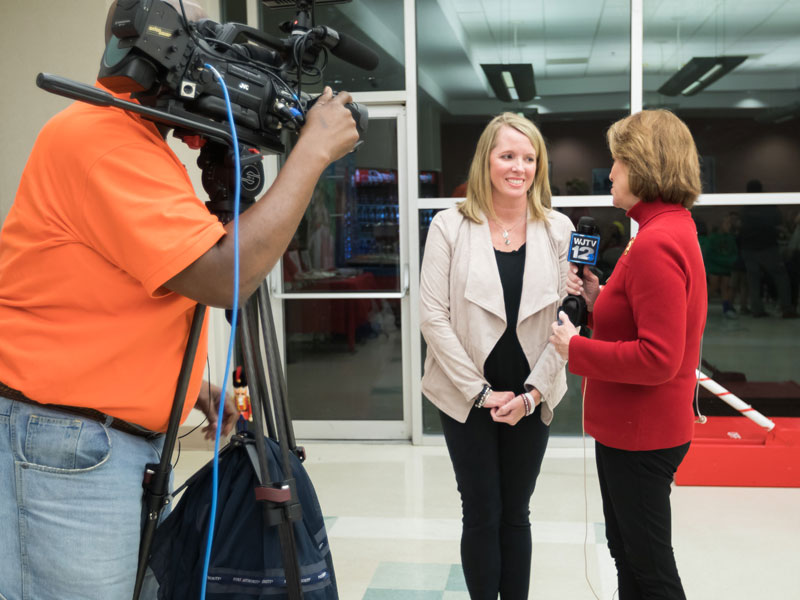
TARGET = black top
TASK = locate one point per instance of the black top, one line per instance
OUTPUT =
(506, 367)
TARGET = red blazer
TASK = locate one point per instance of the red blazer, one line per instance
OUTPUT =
(639, 366)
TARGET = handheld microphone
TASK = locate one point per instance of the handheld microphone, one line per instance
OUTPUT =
(348, 49)
(583, 249)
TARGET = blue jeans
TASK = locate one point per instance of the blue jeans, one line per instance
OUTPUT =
(70, 506)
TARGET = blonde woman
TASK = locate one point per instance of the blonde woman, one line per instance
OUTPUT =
(493, 275)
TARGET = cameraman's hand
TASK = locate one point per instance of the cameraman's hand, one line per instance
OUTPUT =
(330, 125)
(588, 286)
(208, 404)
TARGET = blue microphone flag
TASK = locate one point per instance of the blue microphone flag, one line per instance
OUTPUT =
(583, 248)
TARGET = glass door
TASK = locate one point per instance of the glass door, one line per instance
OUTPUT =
(342, 294)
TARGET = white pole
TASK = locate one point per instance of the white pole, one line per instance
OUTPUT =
(734, 401)
(637, 61)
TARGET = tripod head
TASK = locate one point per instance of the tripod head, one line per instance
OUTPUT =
(218, 167)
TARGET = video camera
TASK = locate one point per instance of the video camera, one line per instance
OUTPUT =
(159, 57)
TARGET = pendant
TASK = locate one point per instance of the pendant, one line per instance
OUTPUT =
(508, 242)
(505, 237)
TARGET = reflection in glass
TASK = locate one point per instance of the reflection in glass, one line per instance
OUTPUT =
(376, 24)
(349, 237)
(344, 359)
(746, 120)
(751, 255)
(580, 68)
(752, 336)
(233, 11)
(430, 414)
(344, 355)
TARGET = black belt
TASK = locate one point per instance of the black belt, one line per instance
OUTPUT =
(80, 411)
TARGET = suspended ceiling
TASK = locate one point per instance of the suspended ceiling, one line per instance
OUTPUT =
(580, 49)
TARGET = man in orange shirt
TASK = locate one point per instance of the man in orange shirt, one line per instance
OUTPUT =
(103, 257)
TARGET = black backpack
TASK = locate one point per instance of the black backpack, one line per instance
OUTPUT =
(246, 557)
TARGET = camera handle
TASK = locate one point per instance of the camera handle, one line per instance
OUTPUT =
(178, 119)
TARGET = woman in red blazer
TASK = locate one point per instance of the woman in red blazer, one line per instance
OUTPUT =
(639, 365)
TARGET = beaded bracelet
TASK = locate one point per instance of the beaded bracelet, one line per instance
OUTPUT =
(481, 398)
(527, 399)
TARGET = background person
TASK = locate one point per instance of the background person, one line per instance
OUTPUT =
(792, 259)
(639, 366)
(320, 238)
(493, 274)
(103, 258)
(758, 241)
(720, 254)
(739, 291)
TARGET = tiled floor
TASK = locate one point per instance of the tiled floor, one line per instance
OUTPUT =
(393, 517)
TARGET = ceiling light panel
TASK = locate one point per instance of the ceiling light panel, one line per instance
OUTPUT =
(699, 73)
(552, 34)
(566, 61)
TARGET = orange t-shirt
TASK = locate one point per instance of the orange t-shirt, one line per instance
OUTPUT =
(105, 214)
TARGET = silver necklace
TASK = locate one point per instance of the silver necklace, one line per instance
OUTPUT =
(507, 230)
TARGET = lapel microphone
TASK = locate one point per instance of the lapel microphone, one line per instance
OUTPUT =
(584, 244)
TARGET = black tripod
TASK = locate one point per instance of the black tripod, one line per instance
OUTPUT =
(278, 498)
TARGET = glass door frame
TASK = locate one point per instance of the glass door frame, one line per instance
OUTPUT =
(408, 197)
(380, 106)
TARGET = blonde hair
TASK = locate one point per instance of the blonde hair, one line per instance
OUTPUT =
(658, 149)
(479, 183)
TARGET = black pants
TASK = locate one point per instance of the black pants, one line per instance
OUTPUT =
(496, 467)
(635, 487)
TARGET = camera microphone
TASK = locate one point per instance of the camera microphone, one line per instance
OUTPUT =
(583, 248)
(347, 48)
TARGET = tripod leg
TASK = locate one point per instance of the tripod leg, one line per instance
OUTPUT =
(256, 401)
(277, 377)
(257, 381)
(260, 406)
(157, 478)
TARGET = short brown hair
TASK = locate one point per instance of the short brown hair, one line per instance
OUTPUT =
(660, 154)
(479, 184)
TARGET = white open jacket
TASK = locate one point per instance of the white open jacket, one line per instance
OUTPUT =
(462, 312)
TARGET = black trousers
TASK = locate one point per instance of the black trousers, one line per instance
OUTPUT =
(496, 467)
(635, 487)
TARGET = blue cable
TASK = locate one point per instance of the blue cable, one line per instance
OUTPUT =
(215, 471)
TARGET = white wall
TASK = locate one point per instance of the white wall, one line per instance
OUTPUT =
(64, 38)
(52, 36)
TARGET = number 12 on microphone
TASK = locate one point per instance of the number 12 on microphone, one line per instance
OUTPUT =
(583, 248)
